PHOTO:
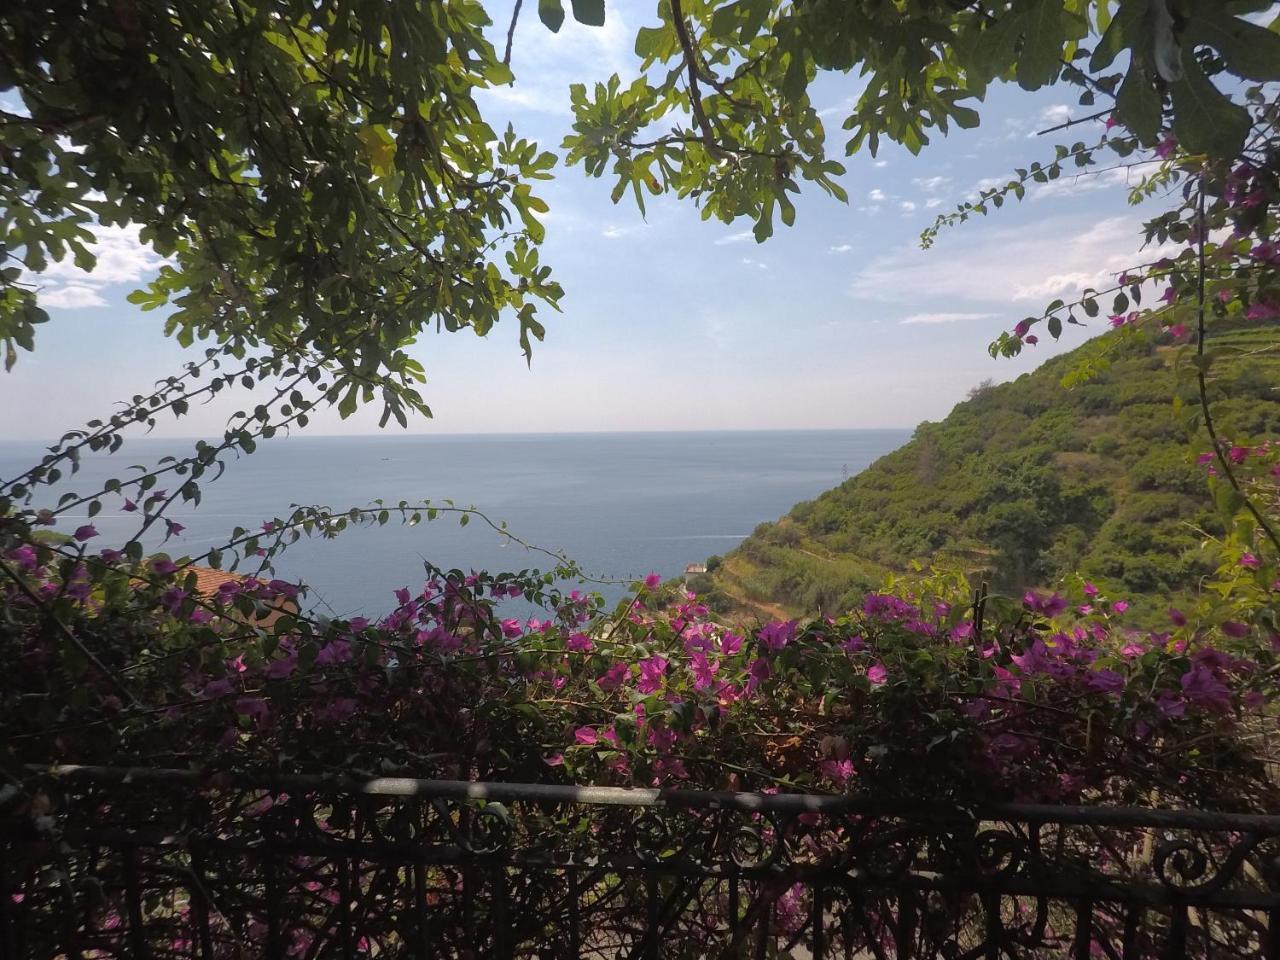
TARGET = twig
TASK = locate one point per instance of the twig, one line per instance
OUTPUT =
(511, 33)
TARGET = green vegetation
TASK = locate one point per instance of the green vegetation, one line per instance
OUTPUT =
(1027, 482)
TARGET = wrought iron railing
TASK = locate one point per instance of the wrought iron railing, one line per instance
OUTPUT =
(151, 863)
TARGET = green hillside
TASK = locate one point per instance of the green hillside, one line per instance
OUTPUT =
(1024, 483)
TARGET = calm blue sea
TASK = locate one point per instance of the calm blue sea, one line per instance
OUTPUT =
(620, 504)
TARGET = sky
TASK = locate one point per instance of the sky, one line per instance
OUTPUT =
(673, 323)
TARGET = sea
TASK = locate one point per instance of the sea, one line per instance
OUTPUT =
(621, 505)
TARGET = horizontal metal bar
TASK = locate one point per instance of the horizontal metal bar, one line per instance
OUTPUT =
(788, 803)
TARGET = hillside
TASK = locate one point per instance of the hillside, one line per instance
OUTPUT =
(1022, 484)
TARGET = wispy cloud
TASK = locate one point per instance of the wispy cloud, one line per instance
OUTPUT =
(877, 195)
(122, 259)
(841, 248)
(1056, 257)
(740, 237)
(907, 206)
(932, 318)
(931, 184)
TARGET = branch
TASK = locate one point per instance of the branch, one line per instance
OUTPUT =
(1202, 385)
(511, 33)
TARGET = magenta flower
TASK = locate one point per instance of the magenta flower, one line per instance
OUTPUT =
(1167, 145)
(1021, 327)
(554, 760)
(1090, 590)
(1202, 687)
(1031, 339)
(129, 506)
(585, 735)
(164, 566)
(651, 673)
(838, 772)
(1262, 310)
(1178, 617)
(1111, 122)
(1235, 629)
(613, 677)
(174, 527)
(777, 634)
(579, 643)
(704, 671)
(877, 674)
(254, 708)
(24, 556)
(653, 581)
(1249, 561)
(87, 532)
(730, 644)
(1120, 606)
(758, 671)
(1104, 681)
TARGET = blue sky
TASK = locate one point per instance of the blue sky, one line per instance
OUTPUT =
(672, 323)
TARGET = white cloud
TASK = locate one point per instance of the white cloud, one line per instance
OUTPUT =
(71, 296)
(930, 184)
(907, 206)
(122, 259)
(842, 248)
(932, 318)
(1054, 115)
(877, 195)
(545, 63)
(755, 263)
(882, 163)
(1055, 257)
(740, 237)
(933, 202)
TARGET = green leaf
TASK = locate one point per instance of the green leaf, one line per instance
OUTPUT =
(1204, 119)
(1138, 105)
(551, 13)
(589, 12)
(1249, 50)
(1045, 35)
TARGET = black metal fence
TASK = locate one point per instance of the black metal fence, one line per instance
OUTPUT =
(152, 864)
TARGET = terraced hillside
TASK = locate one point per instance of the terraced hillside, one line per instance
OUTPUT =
(1024, 483)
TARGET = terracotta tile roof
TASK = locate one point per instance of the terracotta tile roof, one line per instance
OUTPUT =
(208, 580)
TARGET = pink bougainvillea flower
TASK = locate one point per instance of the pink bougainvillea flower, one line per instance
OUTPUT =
(1177, 331)
(1262, 310)
(585, 735)
(254, 708)
(838, 772)
(1104, 681)
(1031, 339)
(109, 555)
(730, 643)
(1120, 606)
(1233, 628)
(24, 556)
(1249, 561)
(129, 506)
(877, 674)
(1201, 686)
(651, 673)
(653, 581)
(1111, 122)
(777, 634)
(1167, 145)
(1178, 617)
(1090, 590)
(1238, 454)
(579, 643)
(1021, 327)
(613, 677)
(87, 532)
(174, 527)
(164, 566)
(704, 671)
(554, 760)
